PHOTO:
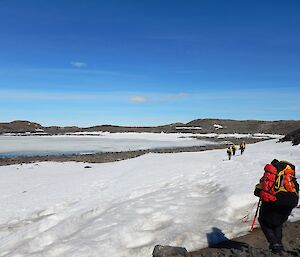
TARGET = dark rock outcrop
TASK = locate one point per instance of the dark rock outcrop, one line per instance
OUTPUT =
(169, 251)
(293, 136)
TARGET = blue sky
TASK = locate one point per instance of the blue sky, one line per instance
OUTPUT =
(148, 62)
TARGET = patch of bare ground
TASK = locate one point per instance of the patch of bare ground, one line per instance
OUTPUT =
(255, 244)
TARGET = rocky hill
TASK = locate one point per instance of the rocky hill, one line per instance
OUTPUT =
(196, 126)
(23, 126)
(246, 126)
(20, 126)
(294, 136)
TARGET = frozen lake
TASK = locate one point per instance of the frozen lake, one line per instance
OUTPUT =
(11, 146)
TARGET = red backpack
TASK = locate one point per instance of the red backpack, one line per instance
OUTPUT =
(278, 178)
(267, 193)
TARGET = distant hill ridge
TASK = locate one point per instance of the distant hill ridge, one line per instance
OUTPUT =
(196, 126)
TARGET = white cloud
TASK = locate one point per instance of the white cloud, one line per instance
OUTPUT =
(153, 97)
(79, 64)
(137, 99)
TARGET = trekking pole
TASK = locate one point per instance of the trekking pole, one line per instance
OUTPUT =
(254, 219)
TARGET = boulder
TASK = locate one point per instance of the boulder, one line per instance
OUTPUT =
(169, 251)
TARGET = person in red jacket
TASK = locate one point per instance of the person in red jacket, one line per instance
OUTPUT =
(279, 193)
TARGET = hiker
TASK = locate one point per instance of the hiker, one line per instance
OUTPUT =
(233, 147)
(279, 194)
(244, 144)
(229, 152)
(242, 147)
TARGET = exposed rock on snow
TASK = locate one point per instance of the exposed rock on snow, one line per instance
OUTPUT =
(169, 251)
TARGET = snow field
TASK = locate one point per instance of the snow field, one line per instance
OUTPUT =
(125, 208)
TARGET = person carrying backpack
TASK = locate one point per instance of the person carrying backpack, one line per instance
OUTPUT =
(244, 143)
(279, 194)
(229, 152)
(242, 147)
(233, 147)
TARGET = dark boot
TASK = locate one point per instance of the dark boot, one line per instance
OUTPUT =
(277, 248)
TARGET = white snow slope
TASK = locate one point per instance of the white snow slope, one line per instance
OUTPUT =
(125, 208)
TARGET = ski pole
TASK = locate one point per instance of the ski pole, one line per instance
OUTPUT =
(254, 219)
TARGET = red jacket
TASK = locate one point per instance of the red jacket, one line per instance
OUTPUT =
(267, 193)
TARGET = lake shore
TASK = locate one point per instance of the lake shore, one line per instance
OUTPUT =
(117, 156)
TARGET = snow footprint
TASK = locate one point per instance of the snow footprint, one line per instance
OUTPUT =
(144, 210)
(137, 239)
(157, 221)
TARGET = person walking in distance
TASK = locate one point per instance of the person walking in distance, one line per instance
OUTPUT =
(233, 147)
(229, 152)
(279, 194)
(242, 147)
(244, 144)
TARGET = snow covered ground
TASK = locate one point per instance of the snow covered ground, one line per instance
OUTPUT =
(125, 208)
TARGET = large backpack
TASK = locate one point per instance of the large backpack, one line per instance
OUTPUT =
(279, 182)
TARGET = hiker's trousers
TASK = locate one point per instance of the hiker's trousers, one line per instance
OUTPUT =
(271, 218)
